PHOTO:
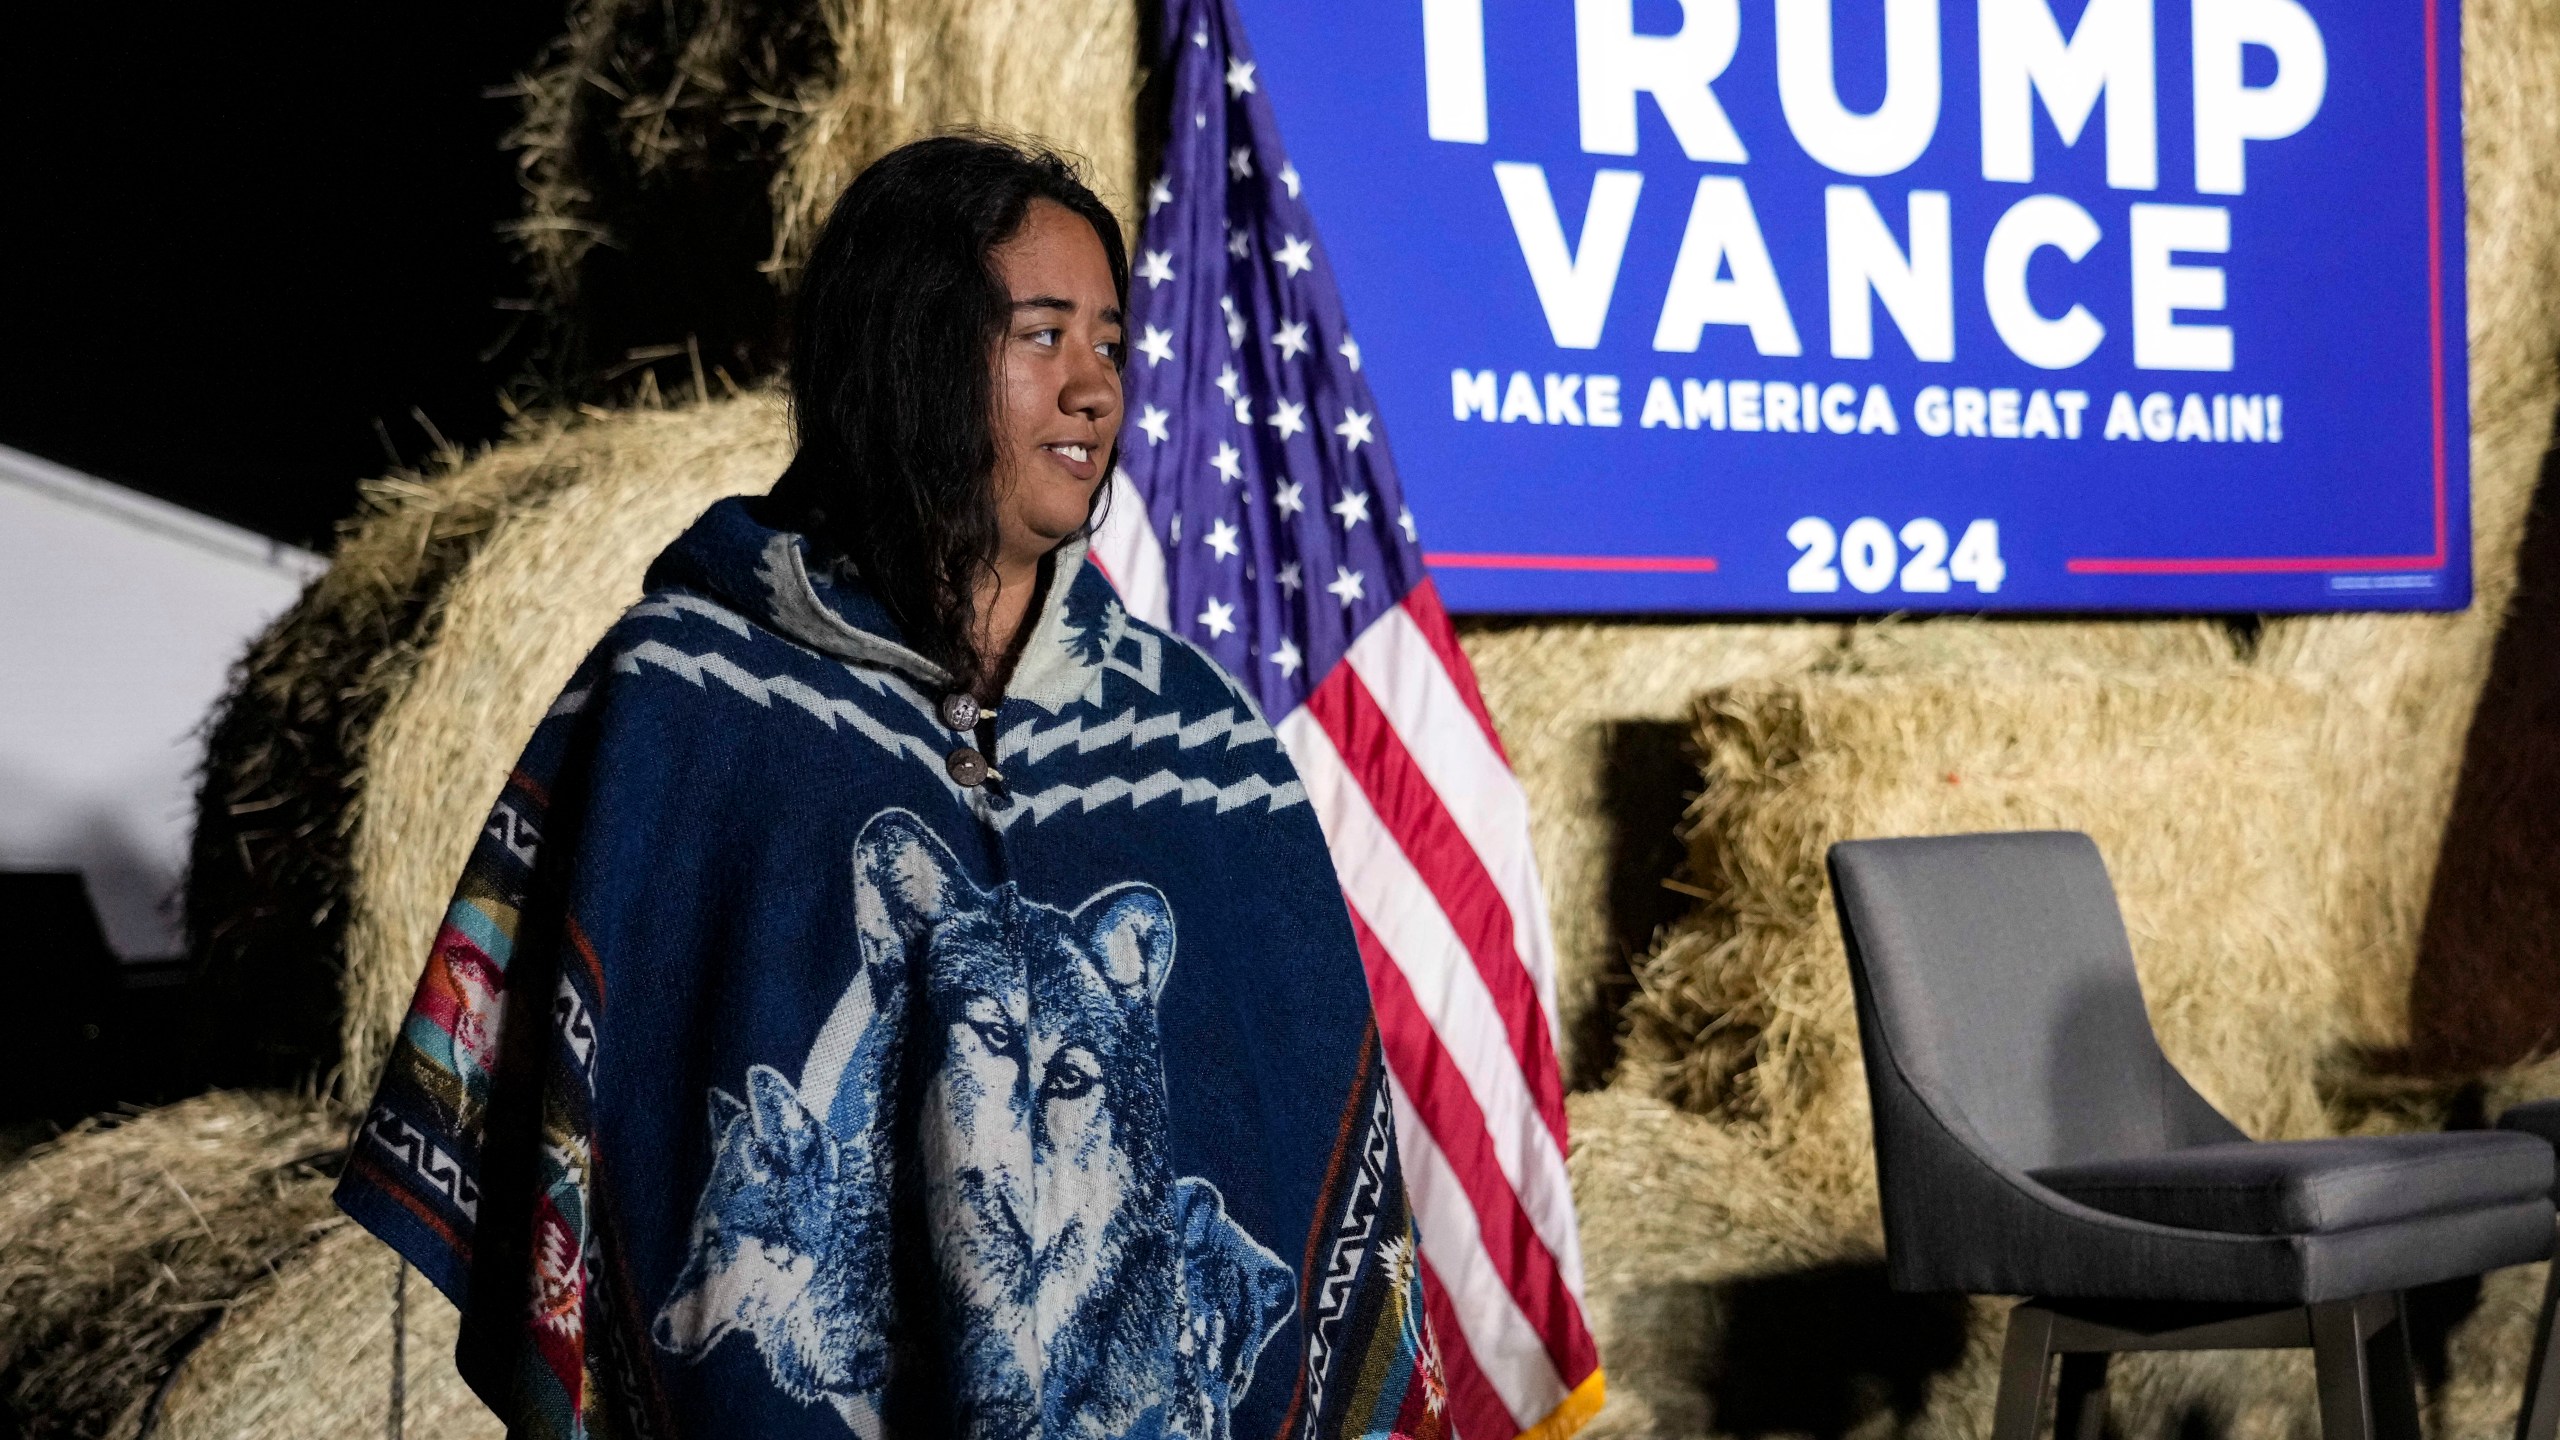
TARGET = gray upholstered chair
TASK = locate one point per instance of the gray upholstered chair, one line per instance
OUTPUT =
(2539, 1416)
(2032, 1140)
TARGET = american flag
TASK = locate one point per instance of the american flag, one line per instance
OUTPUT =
(1256, 512)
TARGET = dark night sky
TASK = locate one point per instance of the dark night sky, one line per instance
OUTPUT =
(234, 238)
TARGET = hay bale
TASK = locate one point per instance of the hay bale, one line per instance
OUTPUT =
(313, 1353)
(2482, 994)
(1675, 1211)
(651, 133)
(514, 621)
(1064, 71)
(291, 763)
(2018, 646)
(679, 157)
(123, 1240)
(267, 873)
(2204, 787)
(1594, 715)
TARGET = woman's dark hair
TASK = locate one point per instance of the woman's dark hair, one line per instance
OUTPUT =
(892, 394)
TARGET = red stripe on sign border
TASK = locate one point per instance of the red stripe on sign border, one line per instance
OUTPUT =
(2253, 565)
(2292, 564)
(2435, 265)
(1624, 564)
(1432, 1085)
(1451, 870)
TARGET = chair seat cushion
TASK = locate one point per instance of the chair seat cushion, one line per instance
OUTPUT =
(2311, 1187)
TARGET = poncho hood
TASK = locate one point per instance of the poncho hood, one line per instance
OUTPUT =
(776, 578)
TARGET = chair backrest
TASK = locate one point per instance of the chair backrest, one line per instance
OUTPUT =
(1996, 973)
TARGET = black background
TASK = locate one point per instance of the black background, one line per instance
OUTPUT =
(240, 244)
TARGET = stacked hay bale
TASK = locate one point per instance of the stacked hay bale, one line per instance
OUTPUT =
(1596, 717)
(328, 1347)
(679, 155)
(128, 1239)
(268, 871)
(651, 132)
(515, 621)
(1063, 70)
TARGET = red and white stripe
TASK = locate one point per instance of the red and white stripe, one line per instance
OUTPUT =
(1429, 831)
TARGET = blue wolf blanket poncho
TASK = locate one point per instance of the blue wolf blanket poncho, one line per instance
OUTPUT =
(765, 1080)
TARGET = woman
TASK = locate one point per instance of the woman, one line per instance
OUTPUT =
(897, 992)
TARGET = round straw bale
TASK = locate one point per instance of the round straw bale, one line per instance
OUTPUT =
(313, 1353)
(649, 139)
(1064, 72)
(121, 1241)
(679, 158)
(1675, 1210)
(284, 760)
(516, 619)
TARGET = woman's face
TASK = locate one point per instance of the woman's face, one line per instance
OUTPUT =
(1057, 378)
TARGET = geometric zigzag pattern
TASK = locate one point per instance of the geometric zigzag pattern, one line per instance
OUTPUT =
(712, 665)
(1351, 1238)
(1162, 783)
(1036, 805)
(1236, 726)
(425, 1159)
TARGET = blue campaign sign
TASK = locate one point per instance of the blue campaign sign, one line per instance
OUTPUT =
(1807, 305)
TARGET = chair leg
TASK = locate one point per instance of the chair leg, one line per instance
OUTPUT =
(2393, 1376)
(2368, 1387)
(2539, 1419)
(2337, 1348)
(2025, 1362)
(2080, 1405)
